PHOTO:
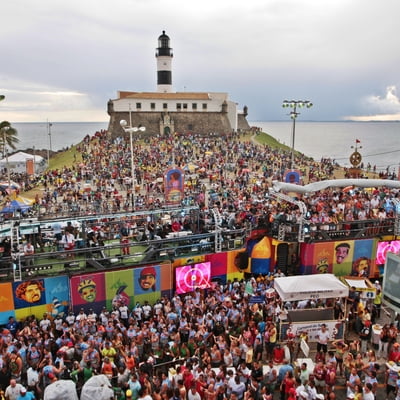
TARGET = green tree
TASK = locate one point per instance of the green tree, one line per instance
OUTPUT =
(8, 136)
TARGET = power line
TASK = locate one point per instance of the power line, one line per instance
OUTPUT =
(370, 155)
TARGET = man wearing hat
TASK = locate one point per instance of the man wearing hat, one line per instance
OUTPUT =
(147, 279)
(25, 395)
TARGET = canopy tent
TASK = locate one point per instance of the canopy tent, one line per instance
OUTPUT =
(19, 162)
(294, 288)
(15, 206)
(24, 200)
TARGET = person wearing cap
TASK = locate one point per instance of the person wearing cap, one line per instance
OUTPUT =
(25, 395)
(147, 279)
(108, 351)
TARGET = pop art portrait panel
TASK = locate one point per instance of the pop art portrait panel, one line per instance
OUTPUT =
(88, 289)
(29, 293)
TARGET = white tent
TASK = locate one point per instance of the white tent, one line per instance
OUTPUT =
(98, 387)
(301, 287)
(18, 162)
(61, 390)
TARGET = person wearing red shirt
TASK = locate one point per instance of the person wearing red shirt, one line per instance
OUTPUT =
(394, 354)
(278, 354)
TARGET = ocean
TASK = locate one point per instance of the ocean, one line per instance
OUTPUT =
(62, 134)
(379, 141)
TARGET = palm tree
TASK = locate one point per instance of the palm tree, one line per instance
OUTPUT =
(8, 136)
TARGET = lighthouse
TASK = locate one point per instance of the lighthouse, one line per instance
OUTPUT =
(164, 60)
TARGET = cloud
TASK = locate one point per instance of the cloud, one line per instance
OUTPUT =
(260, 54)
(42, 102)
(381, 108)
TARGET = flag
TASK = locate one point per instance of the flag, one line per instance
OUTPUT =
(358, 141)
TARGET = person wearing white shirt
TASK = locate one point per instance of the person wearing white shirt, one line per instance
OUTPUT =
(323, 337)
(92, 316)
(70, 318)
(45, 323)
(13, 390)
(193, 394)
(32, 377)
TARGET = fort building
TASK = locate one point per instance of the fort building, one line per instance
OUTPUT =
(164, 112)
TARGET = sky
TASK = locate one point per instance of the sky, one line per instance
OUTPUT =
(63, 60)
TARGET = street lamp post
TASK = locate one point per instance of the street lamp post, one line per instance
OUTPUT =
(293, 104)
(5, 129)
(131, 129)
(49, 125)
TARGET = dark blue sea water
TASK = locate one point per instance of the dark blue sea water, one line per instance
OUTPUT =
(380, 141)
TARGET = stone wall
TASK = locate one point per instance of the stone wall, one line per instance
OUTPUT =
(200, 122)
(243, 125)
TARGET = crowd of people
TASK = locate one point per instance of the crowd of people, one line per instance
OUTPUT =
(211, 344)
(215, 345)
(231, 172)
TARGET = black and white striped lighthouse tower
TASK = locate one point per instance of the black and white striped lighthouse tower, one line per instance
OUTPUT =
(164, 60)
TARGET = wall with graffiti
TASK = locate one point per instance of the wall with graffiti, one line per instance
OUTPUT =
(58, 295)
(344, 257)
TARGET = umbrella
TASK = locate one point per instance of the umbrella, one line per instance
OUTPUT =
(12, 184)
(98, 387)
(15, 206)
(62, 389)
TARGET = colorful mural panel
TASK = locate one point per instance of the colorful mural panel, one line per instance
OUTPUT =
(364, 258)
(88, 291)
(322, 258)
(232, 270)
(6, 302)
(218, 263)
(57, 296)
(119, 288)
(342, 258)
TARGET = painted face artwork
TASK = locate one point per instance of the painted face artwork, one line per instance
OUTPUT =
(88, 294)
(33, 293)
(342, 251)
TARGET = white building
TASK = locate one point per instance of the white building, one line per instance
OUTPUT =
(166, 111)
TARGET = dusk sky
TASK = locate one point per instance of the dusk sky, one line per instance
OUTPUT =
(63, 60)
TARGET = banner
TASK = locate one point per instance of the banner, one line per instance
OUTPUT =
(335, 329)
(174, 186)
